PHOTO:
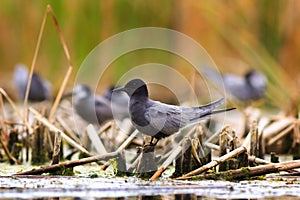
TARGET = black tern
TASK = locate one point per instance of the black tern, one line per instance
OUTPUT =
(98, 109)
(252, 86)
(39, 88)
(160, 120)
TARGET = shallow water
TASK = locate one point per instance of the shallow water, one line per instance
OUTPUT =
(108, 186)
(42, 187)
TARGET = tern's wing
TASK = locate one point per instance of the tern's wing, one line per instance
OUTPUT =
(166, 118)
(47, 89)
(169, 119)
(102, 109)
(20, 79)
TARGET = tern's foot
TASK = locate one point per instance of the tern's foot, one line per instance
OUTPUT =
(148, 148)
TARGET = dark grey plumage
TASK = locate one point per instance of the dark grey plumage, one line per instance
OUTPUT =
(251, 86)
(97, 109)
(160, 120)
(39, 88)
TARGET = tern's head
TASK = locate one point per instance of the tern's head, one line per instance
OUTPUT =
(256, 79)
(135, 86)
(81, 91)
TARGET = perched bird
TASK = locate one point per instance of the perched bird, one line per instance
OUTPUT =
(39, 88)
(160, 120)
(248, 88)
(119, 98)
(97, 109)
(252, 86)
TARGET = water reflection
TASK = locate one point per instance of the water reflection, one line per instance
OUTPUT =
(165, 197)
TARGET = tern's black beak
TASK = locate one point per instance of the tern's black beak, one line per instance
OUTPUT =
(119, 89)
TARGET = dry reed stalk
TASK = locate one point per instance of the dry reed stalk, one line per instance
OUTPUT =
(246, 142)
(295, 149)
(215, 136)
(37, 48)
(68, 129)
(169, 161)
(17, 110)
(196, 147)
(66, 51)
(168, 152)
(134, 163)
(264, 162)
(8, 154)
(171, 156)
(128, 140)
(2, 91)
(13, 123)
(260, 128)
(254, 141)
(277, 126)
(281, 134)
(3, 125)
(212, 146)
(258, 160)
(214, 163)
(105, 127)
(53, 128)
(56, 149)
(262, 124)
(95, 140)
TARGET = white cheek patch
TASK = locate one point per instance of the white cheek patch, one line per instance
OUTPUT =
(79, 93)
(258, 82)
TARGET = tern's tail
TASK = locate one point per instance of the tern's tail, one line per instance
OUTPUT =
(206, 111)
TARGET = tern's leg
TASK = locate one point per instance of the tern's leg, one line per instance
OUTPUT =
(151, 141)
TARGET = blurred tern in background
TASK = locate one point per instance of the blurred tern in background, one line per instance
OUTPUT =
(39, 88)
(99, 109)
(252, 86)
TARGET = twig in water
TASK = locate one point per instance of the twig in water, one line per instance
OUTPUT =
(248, 172)
(70, 164)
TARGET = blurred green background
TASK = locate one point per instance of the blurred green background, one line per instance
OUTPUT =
(238, 35)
